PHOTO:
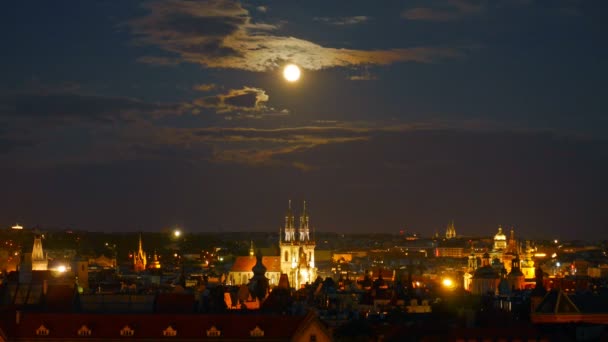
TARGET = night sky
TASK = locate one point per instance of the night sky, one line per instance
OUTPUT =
(143, 115)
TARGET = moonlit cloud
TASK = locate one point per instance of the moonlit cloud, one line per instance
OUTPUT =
(245, 99)
(222, 34)
(205, 87)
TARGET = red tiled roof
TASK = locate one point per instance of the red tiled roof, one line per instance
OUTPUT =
(246, 263)
(151, 326)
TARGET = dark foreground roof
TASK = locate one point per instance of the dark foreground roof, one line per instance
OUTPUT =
(66, 326)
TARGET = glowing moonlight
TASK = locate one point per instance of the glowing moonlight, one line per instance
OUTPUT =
(291, 73)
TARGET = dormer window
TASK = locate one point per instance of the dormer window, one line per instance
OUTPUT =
(84, 331)
(256, 332)
(169, 332)
(127, 331)
(42, 331)
(213, 332)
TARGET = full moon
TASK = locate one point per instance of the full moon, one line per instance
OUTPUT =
(291, 73)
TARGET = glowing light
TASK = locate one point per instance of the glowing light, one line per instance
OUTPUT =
(558, 264)
(447, 282)
(17, 227)
(291, 73)
(61, 269)
(177, 233)
(540, 255)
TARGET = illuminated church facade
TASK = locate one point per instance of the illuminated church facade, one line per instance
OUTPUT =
(297, 248)
(501, 261)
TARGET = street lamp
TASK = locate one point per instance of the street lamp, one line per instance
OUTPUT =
(177, 233)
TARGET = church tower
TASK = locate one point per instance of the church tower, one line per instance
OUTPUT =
(39, 260)
(304, 228)
(450, 232)
(290, 228)
(140, 258)
(297, 251)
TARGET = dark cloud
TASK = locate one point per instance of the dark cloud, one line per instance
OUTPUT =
(245, 99)
(59, 107)
(222, 34)
(341, 21)
(448, 11)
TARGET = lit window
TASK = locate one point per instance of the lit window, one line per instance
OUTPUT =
(257, 332)
(84, 331)
(127, 331)
(42, 331)
(213, 332)
(169, 332)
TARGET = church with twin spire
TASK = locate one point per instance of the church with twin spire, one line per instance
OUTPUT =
(297, 249)
(296, 258)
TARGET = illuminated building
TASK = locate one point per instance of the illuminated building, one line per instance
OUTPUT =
(297, 250)
(242, 269)
(500, 240)
(450, 232)
(485, 279)
(516, 277)
(472, 266)
(39, 259)
(139, 258)
(155, 262)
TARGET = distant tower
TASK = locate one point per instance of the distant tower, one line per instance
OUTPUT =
(500, 240)
(82, 273)
(512, 245)
(155, 262)
(290, 228)
(450, 232)
(304, 228)
(516, 277)
(140, 258)
(298, 255)
(39, 260)
(258, 285)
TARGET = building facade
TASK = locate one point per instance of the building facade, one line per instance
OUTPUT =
(297, 249)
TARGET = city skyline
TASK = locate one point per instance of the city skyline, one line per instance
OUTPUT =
(144, 115)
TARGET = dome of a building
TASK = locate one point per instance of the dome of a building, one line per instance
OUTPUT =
(500, 236)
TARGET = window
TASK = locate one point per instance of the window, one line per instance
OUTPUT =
(256, 332)
(286, 256)
(213, 332)
(169, 332)
(42, 331)
(84, 331)
(127, 331)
